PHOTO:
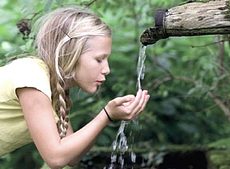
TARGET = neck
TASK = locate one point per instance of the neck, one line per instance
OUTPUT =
(69, 83)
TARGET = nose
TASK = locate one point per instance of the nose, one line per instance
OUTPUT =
(106, 69)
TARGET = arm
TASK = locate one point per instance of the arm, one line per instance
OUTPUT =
(58, 152)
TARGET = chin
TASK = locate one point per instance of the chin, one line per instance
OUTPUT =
(90, 91)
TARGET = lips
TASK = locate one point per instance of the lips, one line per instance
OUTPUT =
(99, 82)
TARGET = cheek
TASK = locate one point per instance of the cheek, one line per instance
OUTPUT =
(77, 74)
(87, 71)
(83, 74)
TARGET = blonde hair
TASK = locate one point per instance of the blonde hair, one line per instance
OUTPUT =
(60, 41)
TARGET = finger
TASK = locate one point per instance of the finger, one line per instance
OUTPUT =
(144, 104)
(142, 107)
(141, 102)
(136, 101)
(122, 100)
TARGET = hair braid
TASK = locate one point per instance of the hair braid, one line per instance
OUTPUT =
(62, 106)
(60, 41)
(62, 111)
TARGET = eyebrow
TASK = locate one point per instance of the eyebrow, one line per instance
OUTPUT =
(103, 56)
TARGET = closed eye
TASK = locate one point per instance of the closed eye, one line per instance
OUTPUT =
(99, 60)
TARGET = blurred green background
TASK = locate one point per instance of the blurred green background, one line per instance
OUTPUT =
(187, 77)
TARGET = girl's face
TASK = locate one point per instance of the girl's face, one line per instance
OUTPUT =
(93, 64)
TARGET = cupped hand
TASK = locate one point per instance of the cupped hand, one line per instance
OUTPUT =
(127, 107)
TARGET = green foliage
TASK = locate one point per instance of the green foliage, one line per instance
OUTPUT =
(219, 159)
(181, 75)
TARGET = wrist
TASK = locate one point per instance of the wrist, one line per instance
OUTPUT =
(108, 115)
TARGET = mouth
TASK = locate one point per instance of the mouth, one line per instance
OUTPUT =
(100, 82)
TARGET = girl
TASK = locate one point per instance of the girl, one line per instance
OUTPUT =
(73, 46)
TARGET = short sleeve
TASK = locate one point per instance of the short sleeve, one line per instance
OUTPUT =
(29, 72)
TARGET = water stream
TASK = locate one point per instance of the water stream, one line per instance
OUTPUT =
(141, 66)
(120, 144)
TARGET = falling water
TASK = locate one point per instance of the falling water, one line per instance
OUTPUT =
(141, 66)
(120, 145)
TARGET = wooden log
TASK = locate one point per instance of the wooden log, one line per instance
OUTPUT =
(190, 19)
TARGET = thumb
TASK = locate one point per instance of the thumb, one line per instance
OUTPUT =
(124, 99)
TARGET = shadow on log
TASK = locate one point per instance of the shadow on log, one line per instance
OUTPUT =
(190, 19)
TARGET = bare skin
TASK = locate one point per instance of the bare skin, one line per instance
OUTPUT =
(38, 111)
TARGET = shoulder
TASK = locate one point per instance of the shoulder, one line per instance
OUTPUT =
(28, 67)
(28, 72)
(28, 63)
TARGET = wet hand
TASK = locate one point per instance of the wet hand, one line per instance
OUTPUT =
(127, 107)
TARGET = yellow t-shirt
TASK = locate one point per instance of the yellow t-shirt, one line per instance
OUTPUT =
(23, 72)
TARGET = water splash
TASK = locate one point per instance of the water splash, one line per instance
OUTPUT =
(120, 144)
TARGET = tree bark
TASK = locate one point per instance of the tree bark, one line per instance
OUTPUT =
(190, 19)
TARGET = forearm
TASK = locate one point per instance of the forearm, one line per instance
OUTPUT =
(57, 152)
(77, 159)
(76, 145)
(38, 113)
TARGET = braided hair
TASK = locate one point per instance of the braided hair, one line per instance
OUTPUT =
(60, 41)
